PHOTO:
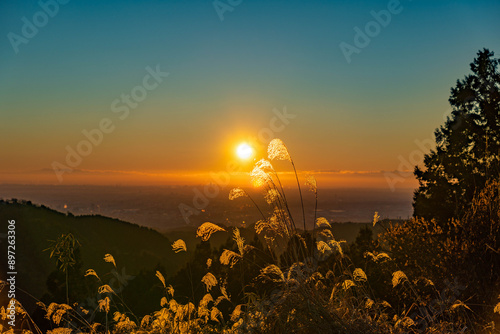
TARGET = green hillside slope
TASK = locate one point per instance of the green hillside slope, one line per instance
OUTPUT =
(133, 247)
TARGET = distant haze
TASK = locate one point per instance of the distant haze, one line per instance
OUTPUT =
(158, 207)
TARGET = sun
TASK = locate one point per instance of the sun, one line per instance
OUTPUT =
(244, 151)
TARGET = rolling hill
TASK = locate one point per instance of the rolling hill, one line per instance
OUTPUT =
(134, 248)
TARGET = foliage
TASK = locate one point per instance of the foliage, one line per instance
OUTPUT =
(287, 280)
(135, 247)
(63, 250)
(468, 251)
(424, 275)
(467, 152)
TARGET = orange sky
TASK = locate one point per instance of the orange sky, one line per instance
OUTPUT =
(325, 179)
(165, 98)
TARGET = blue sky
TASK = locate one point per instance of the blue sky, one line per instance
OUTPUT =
(225, 78)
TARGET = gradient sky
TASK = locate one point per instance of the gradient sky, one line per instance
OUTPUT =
(225, 79)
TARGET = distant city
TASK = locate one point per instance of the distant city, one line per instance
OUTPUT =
(158, 206)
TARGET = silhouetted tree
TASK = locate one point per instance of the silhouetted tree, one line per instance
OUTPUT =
(64, 251)
(68, 284)
(364, 243)
(467, 152)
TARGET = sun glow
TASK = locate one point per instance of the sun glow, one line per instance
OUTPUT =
(244, 151)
